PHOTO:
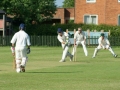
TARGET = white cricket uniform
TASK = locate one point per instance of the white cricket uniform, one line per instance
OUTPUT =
(64, 38)
(21, 39)
(105, 44)
(80, 40)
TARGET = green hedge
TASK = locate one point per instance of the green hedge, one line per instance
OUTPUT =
(47, 29)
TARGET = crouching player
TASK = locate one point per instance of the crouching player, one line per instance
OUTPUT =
(20, 51)
(63, 38)
(105, 44)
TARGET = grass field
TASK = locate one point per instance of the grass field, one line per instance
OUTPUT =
(45, 72)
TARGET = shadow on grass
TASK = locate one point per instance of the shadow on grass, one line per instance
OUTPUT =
(56, 72)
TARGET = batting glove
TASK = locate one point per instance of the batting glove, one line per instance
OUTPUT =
(28, 50)
(12, 49)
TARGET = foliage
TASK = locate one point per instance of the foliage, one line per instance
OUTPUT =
(68, 3)
(29, 11)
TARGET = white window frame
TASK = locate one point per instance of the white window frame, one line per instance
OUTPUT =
(90, 1)
(118, 19)
(91, 18)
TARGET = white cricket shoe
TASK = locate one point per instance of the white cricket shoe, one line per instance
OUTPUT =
(115, 56)
(18, 70)
(62, 60)
(93, 57)
(71, 58)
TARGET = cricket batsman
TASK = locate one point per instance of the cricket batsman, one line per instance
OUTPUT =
(20, 51)
(63, 38)
(103, 44)
(80, 38)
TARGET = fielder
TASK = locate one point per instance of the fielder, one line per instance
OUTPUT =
(63, 38)
(20, 51)
(80, 38)
(105, 44)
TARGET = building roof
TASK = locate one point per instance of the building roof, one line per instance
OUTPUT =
(2, 12)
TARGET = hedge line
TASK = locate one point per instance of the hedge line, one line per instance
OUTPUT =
(47, 29)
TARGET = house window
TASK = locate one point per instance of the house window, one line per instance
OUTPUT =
(1, 16)
(118, 20)
(90, 1)
(90, 19)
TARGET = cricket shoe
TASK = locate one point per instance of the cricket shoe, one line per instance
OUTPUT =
(18, 70)
(93, 57)
(62, 60)
(22, 68)
(115, 56)
(71, 58)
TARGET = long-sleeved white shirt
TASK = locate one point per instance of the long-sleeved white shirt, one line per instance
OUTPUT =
(79, 37)
(63, 38)
(103, 42)
(21, 38)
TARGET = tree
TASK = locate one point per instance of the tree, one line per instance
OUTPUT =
(68, 3)
(29, 10)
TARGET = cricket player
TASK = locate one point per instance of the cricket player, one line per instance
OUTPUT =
(21, 49)
(103, 44)
(63, 38)
(80, 38)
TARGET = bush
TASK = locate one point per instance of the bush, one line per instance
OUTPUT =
(48, 29)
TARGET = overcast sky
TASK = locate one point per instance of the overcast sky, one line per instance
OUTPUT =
(59, 2)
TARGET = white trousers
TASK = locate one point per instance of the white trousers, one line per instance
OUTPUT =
(21, 56)
(65, 52)
(83, 45)
(105, 46)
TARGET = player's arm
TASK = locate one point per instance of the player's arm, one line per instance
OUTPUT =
(60, 40)
(100, 43)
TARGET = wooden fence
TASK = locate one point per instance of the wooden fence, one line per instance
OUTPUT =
(52, 41)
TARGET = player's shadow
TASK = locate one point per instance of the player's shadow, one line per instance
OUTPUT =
(55, 72)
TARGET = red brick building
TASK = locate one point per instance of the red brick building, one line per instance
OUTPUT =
(97, 11)
(63, 15)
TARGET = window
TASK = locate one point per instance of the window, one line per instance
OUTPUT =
(118, 20)
(90, 1)
(90, 19)
(1, 16)
(118, 0)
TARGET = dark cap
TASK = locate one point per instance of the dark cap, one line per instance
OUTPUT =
(102, 34)
(22, 26)
(59, 30)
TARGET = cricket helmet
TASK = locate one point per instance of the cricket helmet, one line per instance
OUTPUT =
(22, 26)
(59, 30)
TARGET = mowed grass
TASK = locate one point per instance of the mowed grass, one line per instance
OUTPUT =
(45, 72)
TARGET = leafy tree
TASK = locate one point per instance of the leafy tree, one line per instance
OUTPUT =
(29, 10)
(68, 3)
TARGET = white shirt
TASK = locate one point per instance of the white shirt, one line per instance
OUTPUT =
(103, 42)
(63, 38)
(21, 38)
(79, 37)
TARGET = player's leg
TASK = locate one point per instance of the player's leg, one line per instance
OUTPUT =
(18, 59)
(96, 51)
(110, 49)
(65, 50)
(70, 55)
(84, 48)
(75, 47)
(24, 58)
